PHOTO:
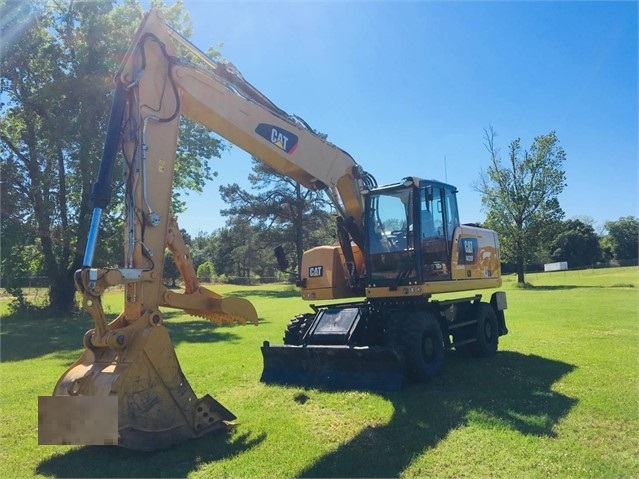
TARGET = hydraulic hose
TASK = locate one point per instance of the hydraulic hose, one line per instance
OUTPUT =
(101, 192)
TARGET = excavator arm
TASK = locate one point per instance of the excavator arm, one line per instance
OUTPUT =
(132, 357)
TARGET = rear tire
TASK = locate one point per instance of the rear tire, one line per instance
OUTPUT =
(423, 346)
(487, 331)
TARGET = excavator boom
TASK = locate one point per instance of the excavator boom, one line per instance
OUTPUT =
(132, 357)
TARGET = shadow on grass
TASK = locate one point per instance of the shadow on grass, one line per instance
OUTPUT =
(32, 337)
(511, 390)
(575, 286)
(199, 331)
(243, 293)
(109, 461)
(558, 287)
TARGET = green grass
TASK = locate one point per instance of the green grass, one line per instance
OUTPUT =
(560, 399)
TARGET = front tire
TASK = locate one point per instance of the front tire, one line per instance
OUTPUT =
(296, 329)
(423, 346)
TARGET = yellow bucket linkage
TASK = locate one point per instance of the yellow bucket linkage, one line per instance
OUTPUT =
(133, 357)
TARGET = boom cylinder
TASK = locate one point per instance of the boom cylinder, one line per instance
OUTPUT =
(101, 192)
(92, 238)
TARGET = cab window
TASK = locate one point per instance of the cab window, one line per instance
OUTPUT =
(431, 212)
(452, 214)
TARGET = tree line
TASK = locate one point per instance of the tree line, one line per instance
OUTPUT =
(244, 254)
(56, 64)
(275, 211)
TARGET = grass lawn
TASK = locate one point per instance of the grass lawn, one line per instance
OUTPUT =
(560, 399)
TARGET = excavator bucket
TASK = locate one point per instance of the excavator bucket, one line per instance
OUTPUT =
(332, 367)
(157, 407)
(132, 359)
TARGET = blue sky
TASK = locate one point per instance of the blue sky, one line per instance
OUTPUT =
(407, 88)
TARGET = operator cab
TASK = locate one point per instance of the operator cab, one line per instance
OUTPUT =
(409, 232)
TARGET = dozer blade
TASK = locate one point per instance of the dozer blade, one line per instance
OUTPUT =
(157, 407)
(333, 367)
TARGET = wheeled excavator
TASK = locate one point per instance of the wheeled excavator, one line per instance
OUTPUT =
(397, 247)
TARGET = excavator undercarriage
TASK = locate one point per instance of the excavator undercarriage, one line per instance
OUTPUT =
(379, 345)
(333, 348)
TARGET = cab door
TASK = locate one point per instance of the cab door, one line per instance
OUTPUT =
(434, 244)
(451, 213)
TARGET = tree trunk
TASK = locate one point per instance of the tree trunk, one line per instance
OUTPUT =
(62, 294)
(521, 267)
(520, 251)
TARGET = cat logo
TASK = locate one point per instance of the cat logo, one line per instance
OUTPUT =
(468, 246)
(315, 271)
(283, 139)
(468, 251)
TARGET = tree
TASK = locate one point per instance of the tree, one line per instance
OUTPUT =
(171, 272)
(202, 248)
(206, 272)
(51, 78)
(623, 237)
(284, 211)
(240, 252)
(520, 196)
(578, 244)
(15, 262)
(57, 65)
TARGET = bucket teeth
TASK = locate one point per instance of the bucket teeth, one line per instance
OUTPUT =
(219, 318)
(211, 415)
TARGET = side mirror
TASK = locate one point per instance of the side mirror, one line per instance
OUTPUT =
(282, 262)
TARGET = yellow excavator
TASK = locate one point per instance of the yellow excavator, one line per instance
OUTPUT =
(397, 246)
